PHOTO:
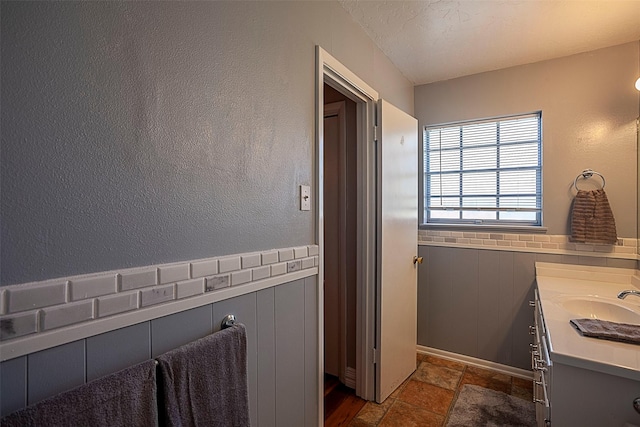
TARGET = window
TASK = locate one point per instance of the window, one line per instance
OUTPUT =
(484, 172)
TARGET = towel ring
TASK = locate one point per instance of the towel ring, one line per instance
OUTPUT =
(588, 173)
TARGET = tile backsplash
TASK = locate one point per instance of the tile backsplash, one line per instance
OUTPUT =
(625, 247)
(32, 308)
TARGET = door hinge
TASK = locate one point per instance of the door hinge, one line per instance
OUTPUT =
(375, 134)
(374, 356)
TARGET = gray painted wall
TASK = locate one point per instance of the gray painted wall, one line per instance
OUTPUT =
(476, 302)
(589, 111)
(282, 347)
(137, 133)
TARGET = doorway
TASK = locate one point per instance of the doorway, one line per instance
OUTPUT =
(384, 223)
(348, 88)
(340, 225)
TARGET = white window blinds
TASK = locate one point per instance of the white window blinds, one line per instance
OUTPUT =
(484, 172)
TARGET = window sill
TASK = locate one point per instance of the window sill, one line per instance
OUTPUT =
(480, 227)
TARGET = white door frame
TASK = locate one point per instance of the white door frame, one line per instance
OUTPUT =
(332, 72)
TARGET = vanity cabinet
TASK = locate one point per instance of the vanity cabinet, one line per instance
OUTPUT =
(581, 397)
(567, 394)
(541, 366)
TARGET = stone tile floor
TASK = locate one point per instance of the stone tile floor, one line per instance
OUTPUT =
(427, 397)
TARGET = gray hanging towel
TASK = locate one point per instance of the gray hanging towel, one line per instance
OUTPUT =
(592, 220)
(126, 398)
(204, 383)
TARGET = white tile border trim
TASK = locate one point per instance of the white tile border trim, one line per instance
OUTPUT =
(626, 248)
(43, 340)
(532, 250)
(177, 290)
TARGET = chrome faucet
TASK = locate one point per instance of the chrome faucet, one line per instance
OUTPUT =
(624, 294)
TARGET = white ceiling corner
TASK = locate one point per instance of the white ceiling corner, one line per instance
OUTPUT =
(431, 40)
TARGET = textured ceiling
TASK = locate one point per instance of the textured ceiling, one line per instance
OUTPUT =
(438, 40)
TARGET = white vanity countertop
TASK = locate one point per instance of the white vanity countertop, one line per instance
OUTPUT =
(567, 346)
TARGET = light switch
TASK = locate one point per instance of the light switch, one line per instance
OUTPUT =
(305, 198)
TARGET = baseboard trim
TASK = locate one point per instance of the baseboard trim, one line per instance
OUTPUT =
(468, 360)
(350, 378)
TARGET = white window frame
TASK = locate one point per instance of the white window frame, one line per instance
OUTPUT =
(426, 208)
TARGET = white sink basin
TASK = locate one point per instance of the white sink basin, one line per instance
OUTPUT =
(600, 308)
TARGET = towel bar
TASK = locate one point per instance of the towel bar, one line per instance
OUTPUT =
(588, 173)
(228, 321)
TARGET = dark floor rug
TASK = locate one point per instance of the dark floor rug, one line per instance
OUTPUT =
(479, 406)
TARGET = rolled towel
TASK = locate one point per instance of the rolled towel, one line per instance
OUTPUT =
(597, 328)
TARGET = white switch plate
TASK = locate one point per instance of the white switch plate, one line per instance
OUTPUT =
(305, 198)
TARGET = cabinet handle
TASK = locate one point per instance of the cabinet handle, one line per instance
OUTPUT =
(532, 303)
(539, 365)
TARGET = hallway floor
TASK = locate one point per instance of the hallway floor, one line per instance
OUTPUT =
(425, 399)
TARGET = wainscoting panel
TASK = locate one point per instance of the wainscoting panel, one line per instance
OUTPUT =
(55, 370)
(463, 331)
(289, 326)
(265, 325)
(310, 351)
(282, 338)
(13, 385)
(475, 302)
(491, 336)
(437, 302)
(524, 280)
(169, 332)
(116, 350)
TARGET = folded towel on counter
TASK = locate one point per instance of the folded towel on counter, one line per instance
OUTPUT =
(204, 383)
(608, 330)
(125, 398)
(592, 220)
